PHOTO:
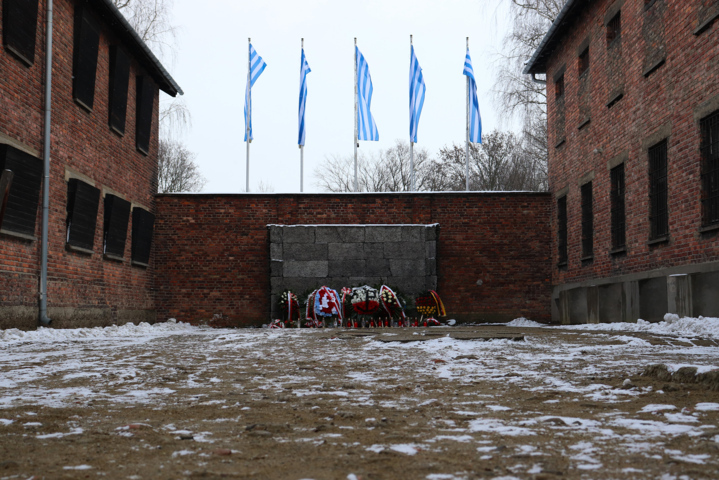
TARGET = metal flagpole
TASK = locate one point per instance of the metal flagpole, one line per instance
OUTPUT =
(466, 148)
(411, 143)
(356, 131)
(249, 115)
(302, 147)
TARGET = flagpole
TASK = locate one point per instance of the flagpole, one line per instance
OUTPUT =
(356, 132)
(411, 143)
(466, 148)
(302, 147)
(249, 116)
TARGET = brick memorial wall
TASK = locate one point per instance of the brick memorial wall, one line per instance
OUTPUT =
(212, 251)
(305, 257)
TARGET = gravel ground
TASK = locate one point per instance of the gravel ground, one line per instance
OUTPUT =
(173, 401)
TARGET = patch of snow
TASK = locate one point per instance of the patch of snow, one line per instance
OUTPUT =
(653, 408)
(702, 407)
(524, 322)
(78, 467)
(406, 448)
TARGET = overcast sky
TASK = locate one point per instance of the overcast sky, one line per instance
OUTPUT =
(211, 67)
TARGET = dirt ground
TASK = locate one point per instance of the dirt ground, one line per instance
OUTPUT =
(439, 403)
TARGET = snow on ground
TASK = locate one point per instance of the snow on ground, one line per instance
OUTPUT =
(173, 363)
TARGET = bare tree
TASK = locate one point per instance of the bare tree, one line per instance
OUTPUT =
(516, 93)
(177, 170)
(386, 171)
(499, 163)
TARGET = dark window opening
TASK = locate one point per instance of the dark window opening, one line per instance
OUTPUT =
(145, 104)
(583, 61)
(587, 221)
(658, 192)
(117, 217)
(82, 203)
(87, 41)
(143, 223)
(119, 82)
(559, 87)
(562, 230)
(20, 28)
(619, 219)
(710, 169)
(614, 28)
(24, 197)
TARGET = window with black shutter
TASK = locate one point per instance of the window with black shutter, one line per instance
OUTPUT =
(562, 230)
(583, 62)
(143, 223)
(22, 202)
(559, 87)
(119, 82)
(710, 169)
(587, 222)
(614, 28)
(145, 103)
(117, 216)
(87, 42)
(82, 203)
(618, 213)
(658, 192)
(20, 28)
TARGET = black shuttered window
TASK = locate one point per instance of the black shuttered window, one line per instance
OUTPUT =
(587, 221)
(143, 223)
(119, 82)
(87, 42)
(145, 104)
(82, 203)
(710, 169)
(21, 210)
(20, 28)
(562, 230)
(117, 217)
(619, 220)
(658, 192)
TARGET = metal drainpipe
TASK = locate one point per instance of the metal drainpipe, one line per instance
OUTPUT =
(44, 320)
(538, 80)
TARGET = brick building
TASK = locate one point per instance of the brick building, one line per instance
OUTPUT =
(102, 163)
(633, 122)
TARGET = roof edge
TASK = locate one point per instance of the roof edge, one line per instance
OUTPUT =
(169, 85)
(531, 64)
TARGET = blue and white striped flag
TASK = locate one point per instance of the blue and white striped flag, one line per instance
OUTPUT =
(257, 66)
(417, 90)
(304, 70)
(366, 128)
(475, 122)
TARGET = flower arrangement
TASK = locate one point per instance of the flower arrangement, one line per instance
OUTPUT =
(391, 303)
(365, 300)
(429, 304)
(290, 306)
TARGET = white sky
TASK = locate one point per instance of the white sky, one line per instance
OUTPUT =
(211, 67)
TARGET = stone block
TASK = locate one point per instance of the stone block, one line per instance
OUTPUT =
(430, 266)
(431, 233)
(275, 234)
(275, 251)
(407, 268)
(305, 251)
(377, 267)
(431, 249)
(359, 281)
(413, 234)
(373, 250)
(345, 251)
(276, 268)
(410, 250)
(346, 268)
(340, 234)
(410, 286)
(383, 234)
(679, 295)
(298, 234)
(313, 268)
(431, 282)
(300, 286)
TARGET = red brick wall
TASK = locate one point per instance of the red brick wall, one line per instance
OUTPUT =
(83, 142)
(212, 251)
(670, 97)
